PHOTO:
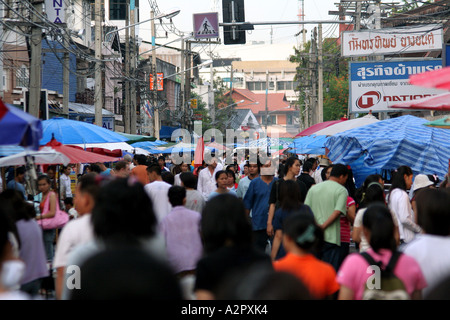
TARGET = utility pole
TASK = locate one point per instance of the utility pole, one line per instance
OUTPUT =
(98, 95)
(66, 79)
(35, 63)
(187, 82)
(155, 78)
(320, 77)
(133, 53)
(126, 113)
(183, 98)
(313, 73)
(211, 105)
(267, 107)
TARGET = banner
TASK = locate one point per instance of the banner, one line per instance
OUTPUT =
(376, 85)
(392, 40)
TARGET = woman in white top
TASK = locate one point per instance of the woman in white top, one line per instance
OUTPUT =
(399, 203)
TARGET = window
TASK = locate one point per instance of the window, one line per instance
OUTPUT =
(22, 77)
(92, 3)
(272, 119)
(117, 9)
(289, 119)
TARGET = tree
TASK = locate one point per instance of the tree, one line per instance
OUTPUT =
(335, 75)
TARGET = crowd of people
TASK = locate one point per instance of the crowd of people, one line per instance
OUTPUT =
(146, 228)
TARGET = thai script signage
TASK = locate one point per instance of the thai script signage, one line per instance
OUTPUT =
(56, 10)
(376, 85)
(392, 41)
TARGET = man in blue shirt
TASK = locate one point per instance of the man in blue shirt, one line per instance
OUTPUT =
(17, 182)
(256, 200)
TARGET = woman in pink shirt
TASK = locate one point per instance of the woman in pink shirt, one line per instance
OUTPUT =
(378, 228)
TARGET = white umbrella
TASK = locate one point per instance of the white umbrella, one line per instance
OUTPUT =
(346, 125)
(46, 155)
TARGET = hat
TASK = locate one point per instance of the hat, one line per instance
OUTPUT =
(324, 162)
(421, 181)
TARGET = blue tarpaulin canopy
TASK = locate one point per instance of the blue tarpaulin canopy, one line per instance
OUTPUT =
(391, 143)
(77, 132)
(309, 145)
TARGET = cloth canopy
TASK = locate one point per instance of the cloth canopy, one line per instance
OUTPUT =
(46, 155)
(316, 127)
(436, 102)
(391, 143)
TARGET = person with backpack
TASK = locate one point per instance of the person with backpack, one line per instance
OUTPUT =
(382, 273)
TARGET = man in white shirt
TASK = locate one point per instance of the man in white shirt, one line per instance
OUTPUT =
(66, 189)
(207, 178)
(158, 190)
(77, 231)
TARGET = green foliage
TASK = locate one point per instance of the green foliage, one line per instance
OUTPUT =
(335, 75)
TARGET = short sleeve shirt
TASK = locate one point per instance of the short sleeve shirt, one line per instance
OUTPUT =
(324, 198)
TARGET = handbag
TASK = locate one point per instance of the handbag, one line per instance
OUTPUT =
(58, 221)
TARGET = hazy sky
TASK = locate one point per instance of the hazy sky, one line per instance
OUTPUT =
(255, 11)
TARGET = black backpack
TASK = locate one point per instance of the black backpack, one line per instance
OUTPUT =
(387, 286)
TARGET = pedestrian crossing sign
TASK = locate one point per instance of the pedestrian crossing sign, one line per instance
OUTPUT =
(206, 25)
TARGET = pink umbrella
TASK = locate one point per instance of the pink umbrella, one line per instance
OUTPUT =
(436, 102)
(439, 79)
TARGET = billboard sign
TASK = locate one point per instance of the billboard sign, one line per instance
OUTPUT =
(206, 25)
(377, 84)
(392, 40)
(56, 11)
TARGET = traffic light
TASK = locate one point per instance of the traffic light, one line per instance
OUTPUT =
(233, 10)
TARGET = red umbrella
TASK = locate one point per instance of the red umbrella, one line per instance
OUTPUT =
(436, 102)
(316, 127)
(439, 79)
(78, 155)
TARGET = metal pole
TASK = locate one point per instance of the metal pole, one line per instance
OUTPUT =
(98, 95)
(35, 64)
(126, 114)
(320, 78)
(155, 79)
(66, 78)
(133, 74)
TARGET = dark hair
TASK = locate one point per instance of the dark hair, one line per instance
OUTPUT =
(68, 200)
(307, 166)
(4, 229)
(20, 209)
(433, 211)
(259, 282)
(140, 159)
(116, 219)
(162, 158)
(374, 193)
(289, 163)
(88, 183)
(51, 167)
(350, 185)
(168, 177)
(122, 164)
(360, 192)
(20, 170)
(95, 168)
(189, 180)
(398, 178)
(150, 278)
(302, 228)
(324, 172)
(154, 168)
(338, 170)
(176, 195)
(290, 195)
(44, 177)
(378, 220)
(224, 219)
